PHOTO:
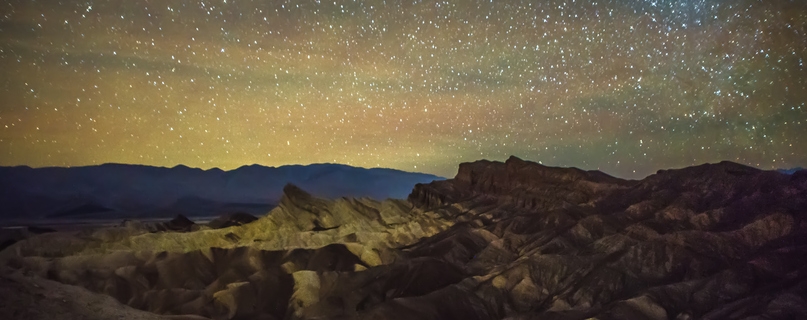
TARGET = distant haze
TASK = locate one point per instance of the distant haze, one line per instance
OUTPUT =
(113, 190)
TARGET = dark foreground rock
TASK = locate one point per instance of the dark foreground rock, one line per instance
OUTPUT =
(513, 240)
(25, 297)
(10, 236)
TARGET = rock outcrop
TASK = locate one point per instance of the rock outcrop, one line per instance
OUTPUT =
(565, 243)
(230, 220)
(12, 235)
(33, 298)
(512, 240)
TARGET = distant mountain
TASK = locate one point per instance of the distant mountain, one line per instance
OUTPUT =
(790, 171)
(144, 191)
(501, 240)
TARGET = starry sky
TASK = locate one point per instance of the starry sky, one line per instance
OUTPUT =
(627, 87)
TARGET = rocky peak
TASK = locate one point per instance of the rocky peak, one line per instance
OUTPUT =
(514, 172)
(711, 175)
(502, 240)
(291, 191)
(524, 183)
(294, 197)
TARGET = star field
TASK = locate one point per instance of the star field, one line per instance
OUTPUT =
(627, 87)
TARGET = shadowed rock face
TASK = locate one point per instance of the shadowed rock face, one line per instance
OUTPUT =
(563, 243)
(512, 240)
(229, 220)
(11, 236)
(218, 283)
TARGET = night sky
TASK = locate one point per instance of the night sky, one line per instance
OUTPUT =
(627, 87)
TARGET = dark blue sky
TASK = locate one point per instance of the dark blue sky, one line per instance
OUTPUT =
(627, 87)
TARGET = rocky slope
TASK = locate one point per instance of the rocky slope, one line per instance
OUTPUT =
(34, 298)
(512, 240)
(712, 241)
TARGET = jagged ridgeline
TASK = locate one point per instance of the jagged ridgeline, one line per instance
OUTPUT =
(513, 240)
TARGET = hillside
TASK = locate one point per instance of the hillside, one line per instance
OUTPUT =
(512, 240)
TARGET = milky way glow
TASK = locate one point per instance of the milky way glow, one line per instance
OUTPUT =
(627, 87)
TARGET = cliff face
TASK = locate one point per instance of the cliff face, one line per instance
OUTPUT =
(523, 184)
(512, 240)
(563, 243)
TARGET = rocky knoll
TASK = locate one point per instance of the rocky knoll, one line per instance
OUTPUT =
(247, 270)
(512, 240)
(714, 241)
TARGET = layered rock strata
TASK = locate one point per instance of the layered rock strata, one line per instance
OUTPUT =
(512, 240)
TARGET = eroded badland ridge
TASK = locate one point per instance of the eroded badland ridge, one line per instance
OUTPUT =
(513, 240)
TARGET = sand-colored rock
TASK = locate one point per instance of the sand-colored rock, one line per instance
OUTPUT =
(306, 292)
(512, 240)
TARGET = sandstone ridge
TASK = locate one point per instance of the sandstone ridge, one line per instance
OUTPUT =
(502, 240)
